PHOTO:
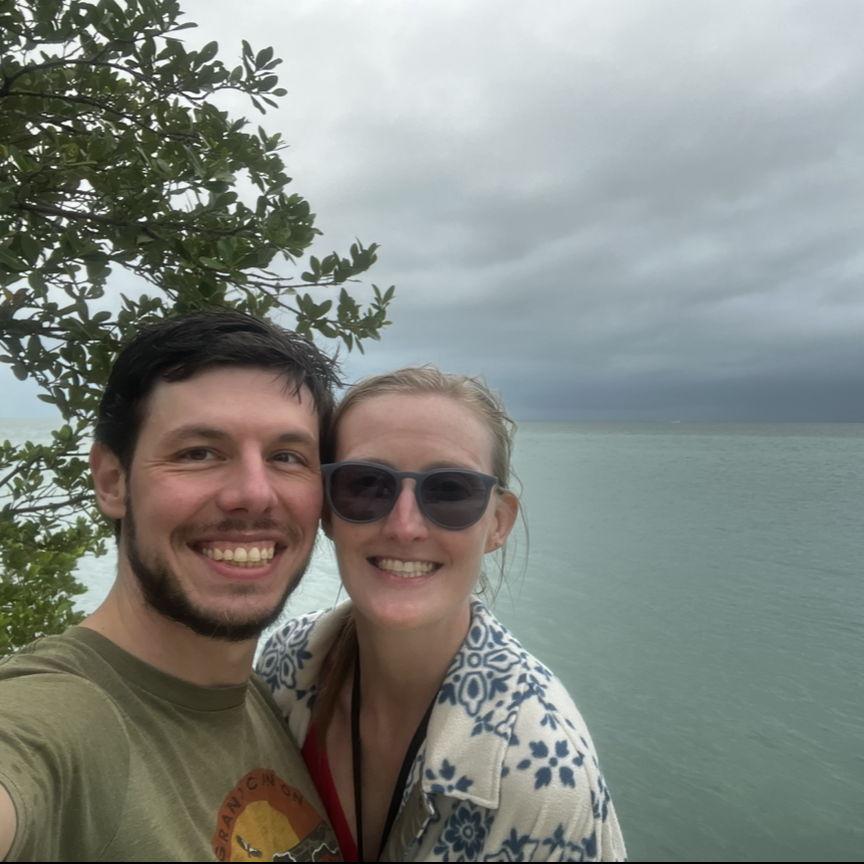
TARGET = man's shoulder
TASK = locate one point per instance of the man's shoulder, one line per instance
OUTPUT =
(51, 689)
(52, 685)
(64, 658)
(59, 731)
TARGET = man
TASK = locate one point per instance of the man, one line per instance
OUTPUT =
(140, 734)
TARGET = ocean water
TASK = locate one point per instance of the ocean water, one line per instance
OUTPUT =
(699, 590)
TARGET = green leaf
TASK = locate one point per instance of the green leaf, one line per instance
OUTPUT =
(30, 248)
(263, 56)
(11, 262)
(208, 52)
(213, 263)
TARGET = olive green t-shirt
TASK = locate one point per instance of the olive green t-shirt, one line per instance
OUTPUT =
(107, 758)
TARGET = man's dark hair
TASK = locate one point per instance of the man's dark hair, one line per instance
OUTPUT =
(178, 348)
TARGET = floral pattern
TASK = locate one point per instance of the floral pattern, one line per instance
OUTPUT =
(284, 656)
(443, 781)
(507, 772)
(464, 834)
(545, 763)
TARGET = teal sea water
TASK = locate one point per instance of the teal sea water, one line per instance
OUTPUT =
(699, 590)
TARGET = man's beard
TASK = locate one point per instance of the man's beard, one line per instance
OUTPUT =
(163, 593)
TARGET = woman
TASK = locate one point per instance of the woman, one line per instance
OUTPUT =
(430, 732)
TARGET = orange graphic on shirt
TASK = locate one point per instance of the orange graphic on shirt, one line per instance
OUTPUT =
(264, 819)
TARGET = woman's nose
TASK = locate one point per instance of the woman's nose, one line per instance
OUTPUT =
(405, 522)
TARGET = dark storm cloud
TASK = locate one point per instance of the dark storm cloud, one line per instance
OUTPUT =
(603, 207)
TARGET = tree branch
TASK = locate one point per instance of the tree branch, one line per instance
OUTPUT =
(44, 508)
(150, 227)
(101, 106)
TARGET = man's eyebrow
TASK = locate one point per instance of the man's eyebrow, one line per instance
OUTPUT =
(213, 433)
(297, 438)
(182, 433)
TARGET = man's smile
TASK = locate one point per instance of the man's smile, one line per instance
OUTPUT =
(250, 554)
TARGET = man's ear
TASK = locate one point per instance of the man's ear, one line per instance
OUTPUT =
(506, 511)
(109, 481)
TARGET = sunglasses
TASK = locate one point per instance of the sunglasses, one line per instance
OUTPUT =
(452, 498)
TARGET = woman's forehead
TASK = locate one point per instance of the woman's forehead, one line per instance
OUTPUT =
(397, 419)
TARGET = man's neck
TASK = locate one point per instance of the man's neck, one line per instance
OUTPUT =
(126, 620)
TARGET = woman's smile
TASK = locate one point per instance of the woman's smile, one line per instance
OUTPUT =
(404, 568)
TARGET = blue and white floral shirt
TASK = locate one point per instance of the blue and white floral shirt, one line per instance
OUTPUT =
(507, 772)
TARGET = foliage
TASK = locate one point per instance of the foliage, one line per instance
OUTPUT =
(114, 159)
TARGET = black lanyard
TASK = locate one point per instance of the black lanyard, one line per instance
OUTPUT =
(356, 751)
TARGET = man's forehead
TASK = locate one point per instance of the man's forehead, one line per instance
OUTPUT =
(232, 390)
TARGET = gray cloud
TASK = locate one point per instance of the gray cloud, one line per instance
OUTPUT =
(606, 208)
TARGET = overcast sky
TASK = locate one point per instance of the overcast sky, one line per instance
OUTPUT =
(631, 210)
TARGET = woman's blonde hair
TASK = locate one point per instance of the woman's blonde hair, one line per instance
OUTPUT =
(427, 380)
(411, 381)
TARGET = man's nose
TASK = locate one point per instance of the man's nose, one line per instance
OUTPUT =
(405, 522)
(248, 486)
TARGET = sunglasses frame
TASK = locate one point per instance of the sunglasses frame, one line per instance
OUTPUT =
(419, 477)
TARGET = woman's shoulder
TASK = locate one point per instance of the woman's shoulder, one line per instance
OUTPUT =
(544, 720)
(494, 675)
(498, 704)
(512, 742)
(291, 657)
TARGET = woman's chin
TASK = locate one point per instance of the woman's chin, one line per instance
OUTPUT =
(398, 613)
(402, 613)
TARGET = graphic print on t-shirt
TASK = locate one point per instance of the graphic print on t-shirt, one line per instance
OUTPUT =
(264, 819)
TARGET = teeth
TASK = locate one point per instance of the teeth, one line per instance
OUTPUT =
(408, 569)
(241, 556)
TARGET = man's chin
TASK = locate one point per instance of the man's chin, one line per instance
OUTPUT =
(230, 619)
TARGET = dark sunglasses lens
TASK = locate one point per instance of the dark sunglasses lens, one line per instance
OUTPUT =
(454, 499)
(362, 493)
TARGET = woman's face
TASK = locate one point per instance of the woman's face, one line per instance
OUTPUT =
(403, 571)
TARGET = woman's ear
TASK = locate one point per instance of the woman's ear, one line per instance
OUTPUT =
(109, 481)
(506, 511)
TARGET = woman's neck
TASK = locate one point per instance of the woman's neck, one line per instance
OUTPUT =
(400, 673)
(401, 670)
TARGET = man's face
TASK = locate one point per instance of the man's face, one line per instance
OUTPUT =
(222, 499)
